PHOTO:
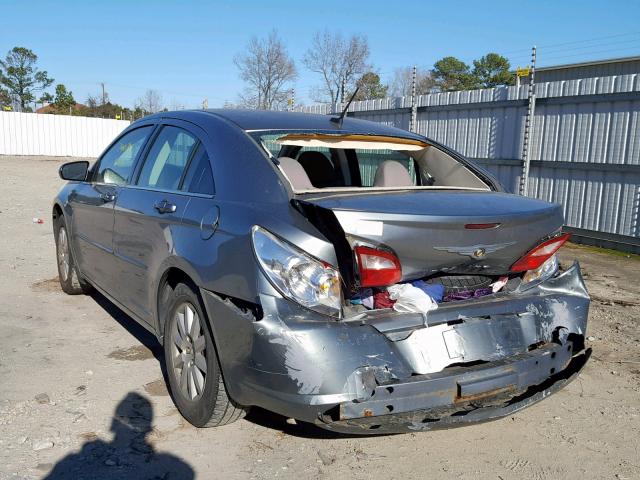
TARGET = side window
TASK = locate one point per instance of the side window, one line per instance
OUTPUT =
(199, 178)
(117, 163)
(167, 159)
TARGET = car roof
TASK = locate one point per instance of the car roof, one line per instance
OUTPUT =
(251, 120)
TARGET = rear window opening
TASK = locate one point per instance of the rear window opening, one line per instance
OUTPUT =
(313, 161)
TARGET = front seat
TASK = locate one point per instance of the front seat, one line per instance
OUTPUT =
(295, 173)
(392, 174)
(319, 168)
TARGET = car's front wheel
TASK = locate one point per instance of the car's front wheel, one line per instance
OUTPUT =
(195, 379)
(70, 280)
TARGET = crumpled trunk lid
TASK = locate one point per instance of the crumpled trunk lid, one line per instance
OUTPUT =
(431, 231)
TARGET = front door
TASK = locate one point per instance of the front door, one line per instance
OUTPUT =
(93, 207)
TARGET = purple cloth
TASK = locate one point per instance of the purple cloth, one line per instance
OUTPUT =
(467, 294)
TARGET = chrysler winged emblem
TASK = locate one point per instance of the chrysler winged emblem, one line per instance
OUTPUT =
(475, 251)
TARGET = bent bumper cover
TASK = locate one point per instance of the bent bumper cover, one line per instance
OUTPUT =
(385, 372)
(455, 400)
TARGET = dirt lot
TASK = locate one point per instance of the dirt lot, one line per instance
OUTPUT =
(80, 383)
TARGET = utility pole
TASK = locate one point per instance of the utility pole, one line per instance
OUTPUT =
(103, 94)
(342, 91)
(528, 126)
(291, 101)
(414, 103)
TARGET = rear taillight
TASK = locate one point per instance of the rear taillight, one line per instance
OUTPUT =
(540, 254)
(378, 268)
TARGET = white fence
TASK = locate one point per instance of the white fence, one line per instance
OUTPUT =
(56, 135)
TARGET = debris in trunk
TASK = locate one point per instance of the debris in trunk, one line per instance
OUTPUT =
(420, 296)
(481, 292)
(381, 300)
(434, 290)
(499, 284)
(411, 299)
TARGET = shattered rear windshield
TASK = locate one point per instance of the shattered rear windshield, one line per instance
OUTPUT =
(335, 159)
(312, 160)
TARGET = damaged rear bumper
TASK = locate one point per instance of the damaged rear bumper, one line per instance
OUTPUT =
(461, 398)
(386, 372)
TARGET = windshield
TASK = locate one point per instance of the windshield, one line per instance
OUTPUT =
(329, 161)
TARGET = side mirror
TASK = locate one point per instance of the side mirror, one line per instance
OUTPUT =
(74, 171)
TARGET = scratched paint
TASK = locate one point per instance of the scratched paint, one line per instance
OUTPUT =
(298, 355)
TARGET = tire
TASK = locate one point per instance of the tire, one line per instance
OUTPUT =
(195, 379)
(70, 280)
(462, 283)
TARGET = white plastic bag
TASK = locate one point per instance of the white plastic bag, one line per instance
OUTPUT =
(498, 284)
(410, 299)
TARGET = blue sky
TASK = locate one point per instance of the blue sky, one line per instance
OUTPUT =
(185, 49)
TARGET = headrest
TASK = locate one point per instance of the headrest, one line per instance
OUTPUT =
(392, 174)
(319, 168)
(295, 173)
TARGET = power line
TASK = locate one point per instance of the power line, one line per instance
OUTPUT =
(561, 53)
(591, 39)
(552, 45)
(554, 57)
(595, 45)
(143, 89)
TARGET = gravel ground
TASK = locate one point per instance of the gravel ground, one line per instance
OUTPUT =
(81, 388)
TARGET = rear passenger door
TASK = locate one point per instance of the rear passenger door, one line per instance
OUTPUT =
(148, 214)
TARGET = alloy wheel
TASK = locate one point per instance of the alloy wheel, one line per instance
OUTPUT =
(189, 352)
(63, 254)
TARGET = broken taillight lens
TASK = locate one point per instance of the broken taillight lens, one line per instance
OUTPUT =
(378, 268)
(540, 254)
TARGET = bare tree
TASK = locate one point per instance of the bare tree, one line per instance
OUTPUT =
(266, 68)
(150, 102)
(92, 102)
(340, 62)
(401, 83)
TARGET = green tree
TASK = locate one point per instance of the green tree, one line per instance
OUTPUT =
(46, 97)
(5, 99)
(492, 70)
(64, 100)
(451, 73)
(369, 87)
(19, 75)
(93, 108)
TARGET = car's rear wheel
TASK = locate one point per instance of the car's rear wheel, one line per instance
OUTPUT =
(195, 378)
(70, 280)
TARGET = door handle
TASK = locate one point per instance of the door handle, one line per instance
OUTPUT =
(108, 197)
(164, 207)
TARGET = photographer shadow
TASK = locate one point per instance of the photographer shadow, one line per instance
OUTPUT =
(128, 455)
